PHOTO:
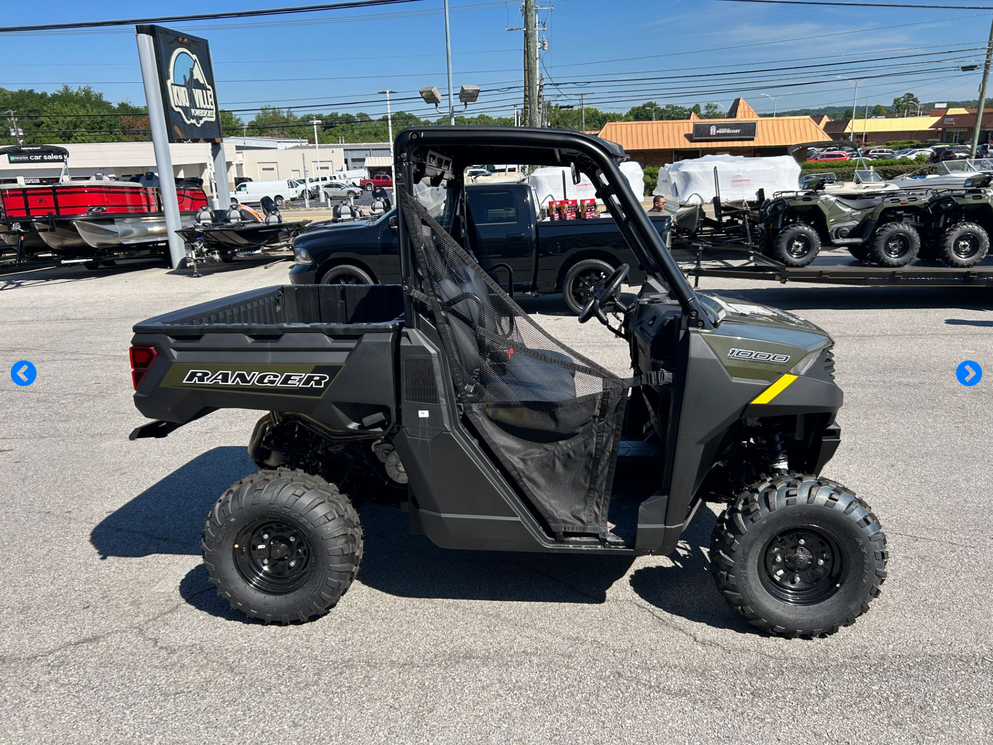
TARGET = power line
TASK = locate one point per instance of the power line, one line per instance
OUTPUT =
(205, 16)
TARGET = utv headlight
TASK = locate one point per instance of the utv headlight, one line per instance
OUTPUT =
(301, 256)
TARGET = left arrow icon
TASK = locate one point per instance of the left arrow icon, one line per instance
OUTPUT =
(23, 373)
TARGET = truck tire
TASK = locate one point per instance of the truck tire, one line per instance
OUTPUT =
(346, 274)
(796, 245)
(579, 281)
(370, 186)
(278, 201)
(895, 244)
(282, 546)
(963, 245)
(767, 550)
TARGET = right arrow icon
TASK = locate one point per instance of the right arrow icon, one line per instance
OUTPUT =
(969, 373)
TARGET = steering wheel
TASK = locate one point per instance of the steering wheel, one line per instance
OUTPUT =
(603, 291)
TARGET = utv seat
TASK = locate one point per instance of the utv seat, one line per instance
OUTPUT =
(857, 204)
(534, 379)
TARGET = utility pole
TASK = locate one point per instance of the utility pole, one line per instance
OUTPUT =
(982, 95)
(14, 131)
(389, 128)
(531, 63)
(582, 110)
(321, 196)
(448, 56)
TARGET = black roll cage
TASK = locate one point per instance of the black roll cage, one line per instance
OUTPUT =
(598, 159)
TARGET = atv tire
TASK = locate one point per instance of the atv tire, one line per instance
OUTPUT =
(282, 546)
(895, 244)
(796, 245)
(767, 548)
(963, 245)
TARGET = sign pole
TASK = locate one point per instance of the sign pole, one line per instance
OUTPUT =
(160, 144)
(222, 195)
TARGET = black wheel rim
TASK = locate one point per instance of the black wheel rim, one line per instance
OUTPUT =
(584, 283)
(896, 246)
(345, 278)
(802, 566)
(273, 556)
(798, 247)
(965, 246)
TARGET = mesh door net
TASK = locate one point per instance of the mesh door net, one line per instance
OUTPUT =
(551, 417)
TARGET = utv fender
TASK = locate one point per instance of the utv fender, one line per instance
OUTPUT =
(789, 395)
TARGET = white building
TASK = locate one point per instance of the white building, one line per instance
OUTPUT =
(258, 158)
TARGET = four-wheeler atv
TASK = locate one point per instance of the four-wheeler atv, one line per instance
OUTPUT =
(443, 396)
(880, 228)
(958, 224)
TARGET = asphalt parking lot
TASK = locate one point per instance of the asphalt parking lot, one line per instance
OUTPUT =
(111, 632)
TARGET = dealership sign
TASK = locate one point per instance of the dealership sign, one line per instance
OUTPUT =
(186, 77)
(35, 154)
(703, 131)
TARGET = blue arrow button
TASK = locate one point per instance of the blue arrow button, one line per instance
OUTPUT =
(969, 373)
(23, 373)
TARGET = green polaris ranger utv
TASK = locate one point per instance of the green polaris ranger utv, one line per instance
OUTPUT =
(442, 396)
(881, 227)
(958, 224)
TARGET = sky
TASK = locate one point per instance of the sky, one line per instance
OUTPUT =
(617, 54)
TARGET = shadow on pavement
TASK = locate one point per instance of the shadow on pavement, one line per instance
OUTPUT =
(687, 588)
(168, 517)
(968, 322)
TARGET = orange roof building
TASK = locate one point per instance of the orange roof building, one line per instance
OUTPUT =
(742, 132)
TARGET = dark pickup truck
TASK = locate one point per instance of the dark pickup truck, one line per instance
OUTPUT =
(503, 233)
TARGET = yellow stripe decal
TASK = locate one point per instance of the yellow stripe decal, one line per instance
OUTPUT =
(774, 390)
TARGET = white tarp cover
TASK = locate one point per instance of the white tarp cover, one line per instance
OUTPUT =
(740, 178)
(547, 183)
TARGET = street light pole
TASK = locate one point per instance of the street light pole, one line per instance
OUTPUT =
(855, 84)
(320, 186)
(448, 53)
(775, 101)
(389, 127)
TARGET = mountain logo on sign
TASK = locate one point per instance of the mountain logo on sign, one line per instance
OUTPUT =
(190, 95)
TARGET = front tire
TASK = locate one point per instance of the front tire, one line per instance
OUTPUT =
(580, 279)
(282, 546)
(963, 245)
(796, 245)
(798, 555)
(347, 274)
(895, 244)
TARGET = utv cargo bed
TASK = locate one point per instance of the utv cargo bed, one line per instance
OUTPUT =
(275, 349)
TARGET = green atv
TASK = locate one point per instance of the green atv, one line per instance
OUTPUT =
(876, 227)
(958, 224)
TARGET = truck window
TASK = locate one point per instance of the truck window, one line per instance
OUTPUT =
(493, 207)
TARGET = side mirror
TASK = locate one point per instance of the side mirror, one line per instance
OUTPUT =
(393, 224)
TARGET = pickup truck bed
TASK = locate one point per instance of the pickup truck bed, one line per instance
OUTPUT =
(324, 352)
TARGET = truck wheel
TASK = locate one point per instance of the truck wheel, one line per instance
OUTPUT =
(346, 274)
(895, 244)
(370, 187)
(963, 245)
(282, 546)
(798, 555)
(796, 245)
(580, 279)
(278, 201)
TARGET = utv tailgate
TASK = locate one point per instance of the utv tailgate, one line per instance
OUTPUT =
(321, 351)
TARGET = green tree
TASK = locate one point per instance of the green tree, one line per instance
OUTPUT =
(906, 105)
(712, 111)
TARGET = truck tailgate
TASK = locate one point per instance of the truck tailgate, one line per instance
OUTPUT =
(326, 352)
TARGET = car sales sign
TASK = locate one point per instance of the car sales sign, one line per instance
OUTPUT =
(186, 77)
(703, 131)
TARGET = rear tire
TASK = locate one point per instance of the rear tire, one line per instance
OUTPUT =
(580, 279)
(963, 245)
(278, 201)
(796, 245)
(803, 520)
(282, 546)
(346, 274)
(895, 244)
